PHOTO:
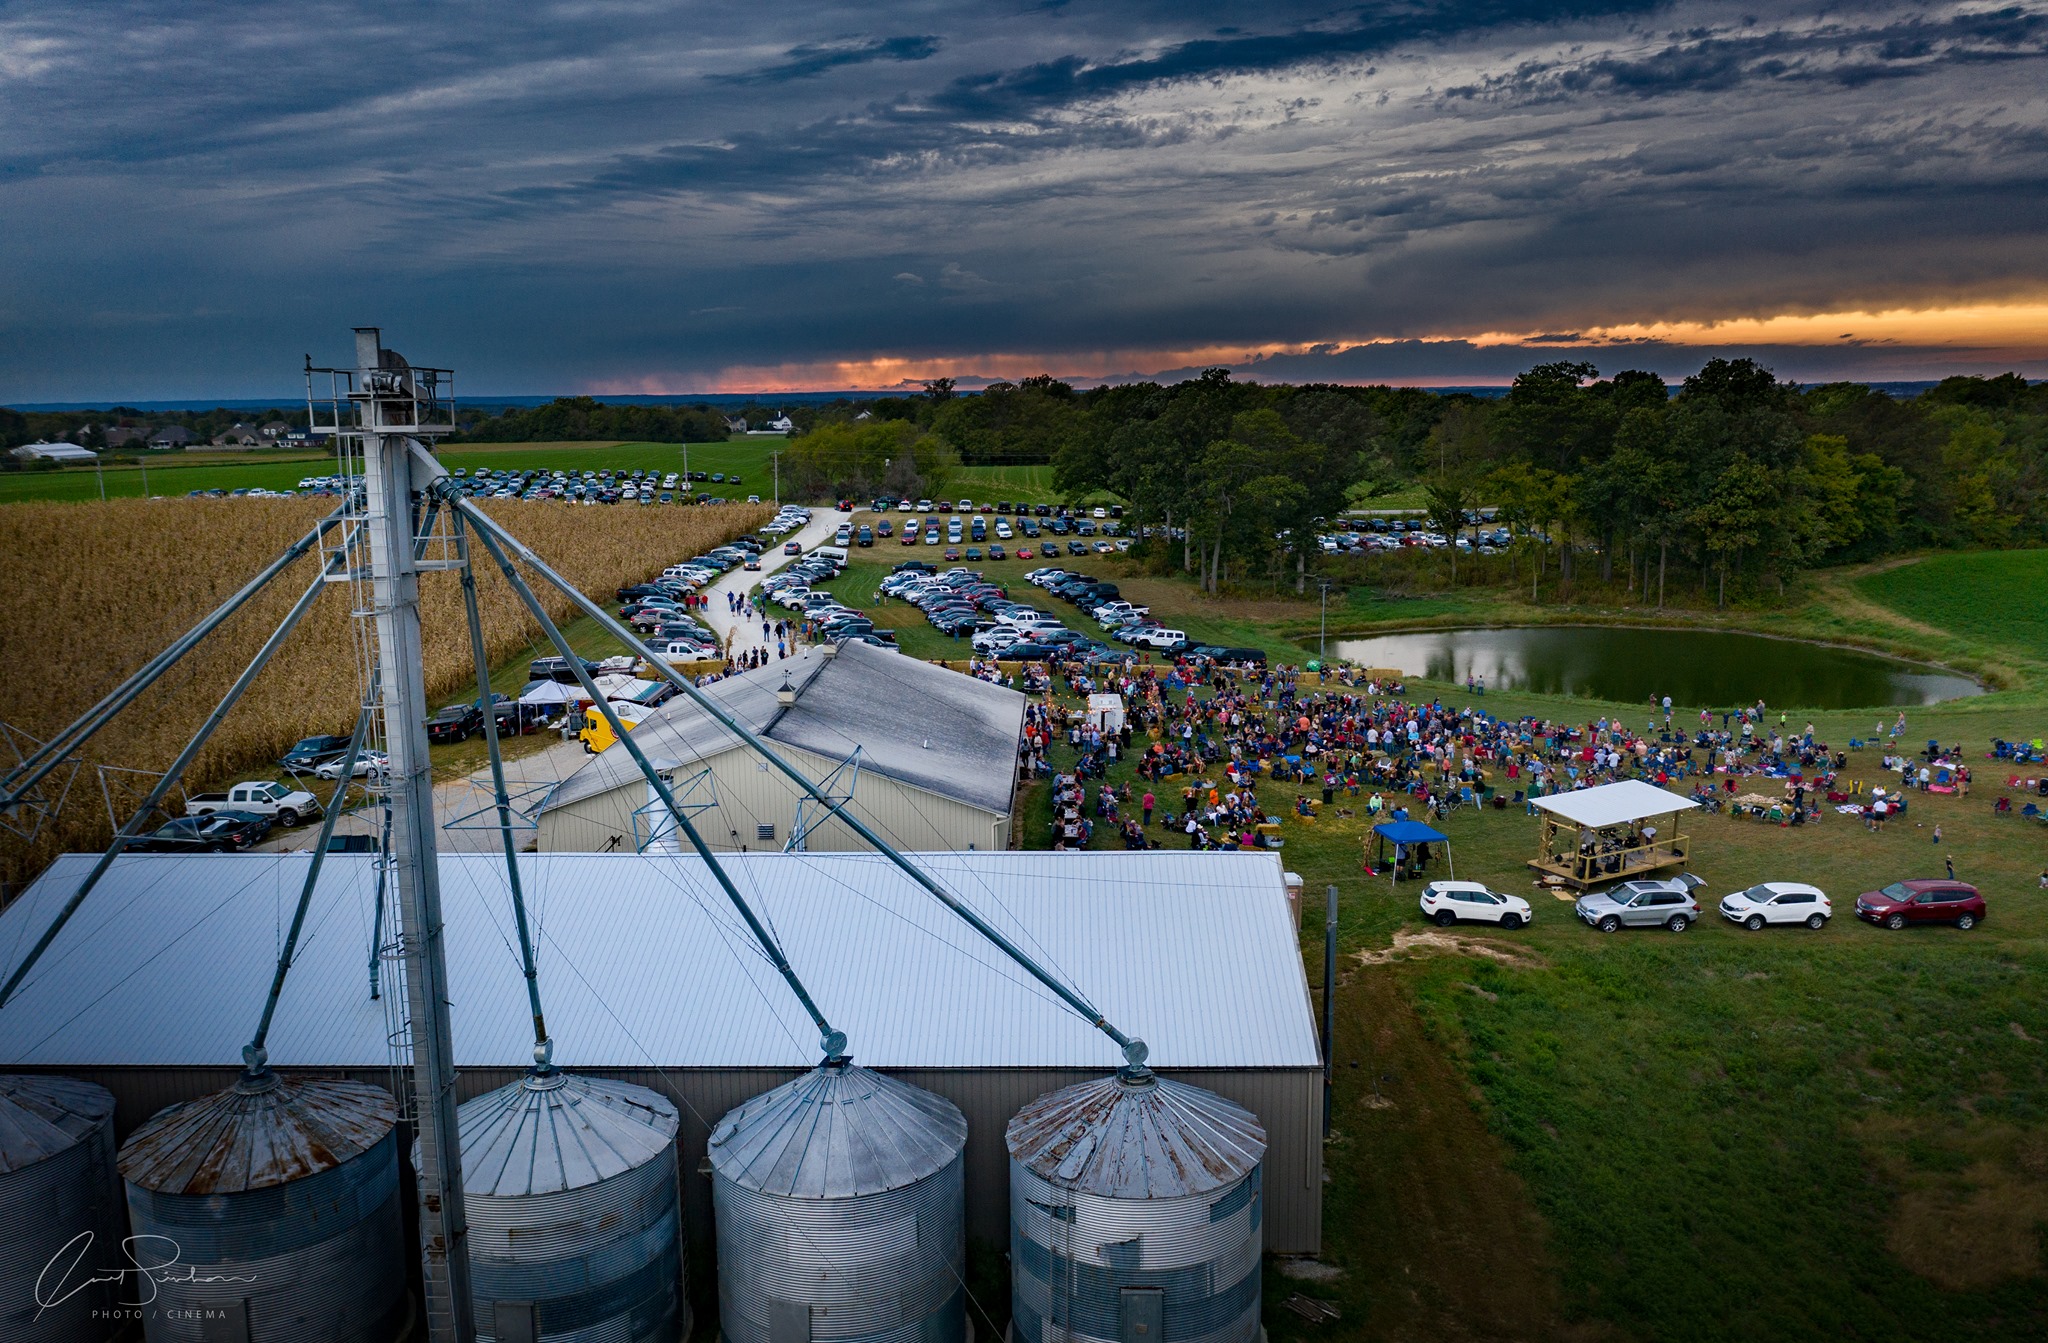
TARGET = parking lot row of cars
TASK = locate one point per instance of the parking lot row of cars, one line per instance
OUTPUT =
(971, 533)
(792, 590)
(580, 487)
(1670, 903)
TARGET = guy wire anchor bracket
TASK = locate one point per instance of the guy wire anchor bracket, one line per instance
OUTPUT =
(808, 811)
(652, 822)
(30, 810)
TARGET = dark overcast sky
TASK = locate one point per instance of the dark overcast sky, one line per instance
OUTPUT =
(659, 196)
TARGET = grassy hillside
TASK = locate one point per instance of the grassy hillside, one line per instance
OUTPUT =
(1997, 596)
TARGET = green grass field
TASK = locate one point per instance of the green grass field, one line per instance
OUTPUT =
(173, 475)
(1721, 1134)
(1998, 596)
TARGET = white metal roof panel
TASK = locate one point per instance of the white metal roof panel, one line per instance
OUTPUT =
(643, 962)
(920, 724)
(1614, 804)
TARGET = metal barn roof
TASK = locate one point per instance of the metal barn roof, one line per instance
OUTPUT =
(917, 723)
(643, 962)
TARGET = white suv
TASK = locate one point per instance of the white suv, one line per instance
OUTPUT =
(1447, 902)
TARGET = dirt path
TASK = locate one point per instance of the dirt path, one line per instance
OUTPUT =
(743, 632)
(1440, 1241)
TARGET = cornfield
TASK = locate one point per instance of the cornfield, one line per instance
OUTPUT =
(93, 591)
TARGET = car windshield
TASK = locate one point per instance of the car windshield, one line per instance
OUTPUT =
(273, 791)
(1758, 895)
(311, 744)
(1898, 890)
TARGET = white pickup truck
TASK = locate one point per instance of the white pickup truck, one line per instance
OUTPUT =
(286, 806)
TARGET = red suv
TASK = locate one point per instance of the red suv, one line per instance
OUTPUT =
(1927, 901)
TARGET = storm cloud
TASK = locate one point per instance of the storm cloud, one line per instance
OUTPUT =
(622, 194)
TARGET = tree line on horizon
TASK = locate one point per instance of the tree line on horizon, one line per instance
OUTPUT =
(1733, 477)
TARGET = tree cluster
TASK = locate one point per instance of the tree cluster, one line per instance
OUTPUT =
(584, 419)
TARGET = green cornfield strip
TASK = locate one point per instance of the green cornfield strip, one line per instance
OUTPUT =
(1995, 596)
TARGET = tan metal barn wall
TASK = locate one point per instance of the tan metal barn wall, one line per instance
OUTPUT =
(750, 793)
(1286, 1100)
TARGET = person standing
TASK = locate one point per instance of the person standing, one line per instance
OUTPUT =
(1937, 838)
(1147, 805)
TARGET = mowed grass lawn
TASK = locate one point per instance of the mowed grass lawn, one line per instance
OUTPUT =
(176, 474)
(1714, 1135)
(1993, 596)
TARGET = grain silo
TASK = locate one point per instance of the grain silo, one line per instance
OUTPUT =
(575, 1223)
(279, 1200)
(1135, 1214)
(841, 1208)
(59, 1199)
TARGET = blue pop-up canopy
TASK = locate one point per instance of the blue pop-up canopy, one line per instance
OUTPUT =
(1409, 832)
(1401, 834)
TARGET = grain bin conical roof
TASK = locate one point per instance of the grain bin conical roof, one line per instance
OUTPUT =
(555, 1131)
(1136, 1138)
(838, 1131)
(42, 1116)
(262, 1131)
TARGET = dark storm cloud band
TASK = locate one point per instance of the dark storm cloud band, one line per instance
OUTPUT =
(608, 190)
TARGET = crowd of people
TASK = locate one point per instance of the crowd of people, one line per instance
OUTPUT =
(1212, 743)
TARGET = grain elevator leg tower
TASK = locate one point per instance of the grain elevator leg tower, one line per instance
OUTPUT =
(396, 407)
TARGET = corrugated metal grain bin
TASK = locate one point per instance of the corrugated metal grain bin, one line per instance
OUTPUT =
(840, 1201)
(575, 1221)
(281, 1198)
(1135, 1214)
(59, 1200)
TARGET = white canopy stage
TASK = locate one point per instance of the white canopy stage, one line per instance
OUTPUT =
(1597, 834)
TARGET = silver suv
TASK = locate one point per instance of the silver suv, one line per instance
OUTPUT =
(1652, 902)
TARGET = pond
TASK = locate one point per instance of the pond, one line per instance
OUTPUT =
(1697, 668)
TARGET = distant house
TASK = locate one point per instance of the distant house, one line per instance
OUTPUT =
(238, 436)
(171, 436)
(55, 452)
(864, 415)
(735, 424)
(781, 424)
(274, 430)
(121, 435)
(305, 438)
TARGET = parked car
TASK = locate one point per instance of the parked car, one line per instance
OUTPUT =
(1922, 901)
(219, 832)
(310, 752)
(1650, 902)
(286, 806)
(368, 764)
(1447, 902)
(1777, 902)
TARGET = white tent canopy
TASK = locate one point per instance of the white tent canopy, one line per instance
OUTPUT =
(551, 692)
(1106, 712)
(1613, 804)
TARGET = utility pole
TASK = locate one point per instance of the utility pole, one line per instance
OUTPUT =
(1329, 1000)
(100, 472)
(388, 397)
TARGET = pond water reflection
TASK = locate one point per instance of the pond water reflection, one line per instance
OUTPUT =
(1697, 668)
